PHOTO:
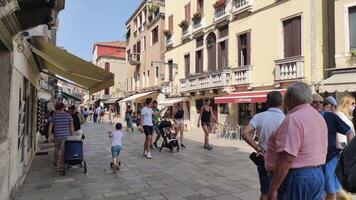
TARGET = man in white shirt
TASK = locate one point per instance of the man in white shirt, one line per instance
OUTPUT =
(147, 127)
(116, 145)
(264, 124)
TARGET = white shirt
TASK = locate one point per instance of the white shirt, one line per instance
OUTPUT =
(266, 123)
(340, 137)
(147, 116)
(98, 111)
(117, 138)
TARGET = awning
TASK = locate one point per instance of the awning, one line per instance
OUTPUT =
(136, 97)
(246, 97)
(68, 66)
(171, 101)
(111, 101)
(68, 96)
(343, 82)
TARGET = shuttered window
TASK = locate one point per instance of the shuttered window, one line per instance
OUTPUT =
(170, 23)
(352, 27)
(244, 49)
(200, 6)
(199, 42)
(223, 54)
(292, 37)
(199, 62)
(187, 13)
(187, 64)
(154, 35)
(170, 70)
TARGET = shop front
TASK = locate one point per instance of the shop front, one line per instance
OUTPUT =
(339, 85)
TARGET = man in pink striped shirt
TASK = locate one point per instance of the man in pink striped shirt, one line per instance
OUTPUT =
(297, 149)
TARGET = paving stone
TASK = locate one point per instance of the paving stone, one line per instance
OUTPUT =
(114, 194)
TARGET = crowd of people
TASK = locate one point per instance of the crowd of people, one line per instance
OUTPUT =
(297, 153)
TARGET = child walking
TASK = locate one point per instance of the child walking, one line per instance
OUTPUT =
(116, 145)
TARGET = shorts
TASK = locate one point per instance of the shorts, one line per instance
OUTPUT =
(59, 144)
(115, 151)
(206, 124)
(156, 129)
(265, 180)
(179, 123)
(148, 130)
(302, 184)
(332, 184)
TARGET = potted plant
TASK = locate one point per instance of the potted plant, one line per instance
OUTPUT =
(153, 8)
(353, 52)
(196, 16)
(184, 24)
(219, 4)
(167, 33)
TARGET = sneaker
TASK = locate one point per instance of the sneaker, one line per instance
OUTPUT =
(182, 145)
(155, 144)
(149, 155)
(114, 168)
(144, 154)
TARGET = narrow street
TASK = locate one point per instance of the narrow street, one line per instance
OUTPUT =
(192, 174)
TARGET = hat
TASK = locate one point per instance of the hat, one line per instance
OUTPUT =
(331, 100)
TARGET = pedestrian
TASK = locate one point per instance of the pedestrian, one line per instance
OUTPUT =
(179, 122)
(147, 127)
(334, 125)
(156, 120)
(116, 146)
(205, 116)
(62, 124)
(77, 122)
(101, 115)
(297, 149)
(330, 104)
(264, 124)
(138, 119)
(95, 115)
(128, 118)
(85, 114)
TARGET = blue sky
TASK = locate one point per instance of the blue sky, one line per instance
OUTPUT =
(84, 22)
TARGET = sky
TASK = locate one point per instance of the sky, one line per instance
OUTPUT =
(84, 22)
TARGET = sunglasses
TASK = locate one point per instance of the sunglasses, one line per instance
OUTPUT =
(320, 102)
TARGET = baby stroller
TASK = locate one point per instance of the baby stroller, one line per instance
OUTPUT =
(169, 138)
(73, 155)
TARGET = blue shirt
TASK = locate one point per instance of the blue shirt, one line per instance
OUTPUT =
(335, 125)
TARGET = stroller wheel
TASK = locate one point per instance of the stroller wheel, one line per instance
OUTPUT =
(85, 167)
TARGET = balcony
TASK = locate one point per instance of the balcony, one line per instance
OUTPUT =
(185, 33)
(239, 6)
(169, 41)
(205, 81)
(241, 75)
(134, 59)
(221, 13)
(289, 69)
(198, 25)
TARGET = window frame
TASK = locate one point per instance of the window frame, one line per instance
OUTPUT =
(153, 41)
(347, 26)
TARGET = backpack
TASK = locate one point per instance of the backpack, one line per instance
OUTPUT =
(346, 168)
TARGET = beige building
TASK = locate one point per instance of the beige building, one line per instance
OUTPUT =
(342, 74)
(145, 52)
(235, 51)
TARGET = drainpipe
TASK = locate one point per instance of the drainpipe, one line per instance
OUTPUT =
(314, 68)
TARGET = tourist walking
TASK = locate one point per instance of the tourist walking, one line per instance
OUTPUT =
(147, 127)
(128, 118)
(334, 125)
(179, 122)
(264, 124)
(297, 149)
(116, 146)
(156, 120)
(85, 114)
(77, 122)
(205, 116)
(62, 124)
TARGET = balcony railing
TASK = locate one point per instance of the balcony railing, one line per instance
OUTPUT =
(185, 33)
(241, 75)
(169, 41)
(134, 59)
(205, 81)
(241, 6)
(289, 68)
(220, 13)
(198, 25)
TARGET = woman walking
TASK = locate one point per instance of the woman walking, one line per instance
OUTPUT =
(206, 113)
(344, 111)
(179, 122)
(128, 118)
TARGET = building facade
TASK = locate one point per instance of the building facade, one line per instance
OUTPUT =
(341, 76)
(235, 51)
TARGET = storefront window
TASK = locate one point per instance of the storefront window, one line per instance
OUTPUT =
(224, 109)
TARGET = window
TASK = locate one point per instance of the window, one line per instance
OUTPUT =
(156, 76)
(224, 109)
(107, 66)
(187, 12)
(244, 49)
(155, 35)
(200, 6)
(199, 62)
(222, 54)
(211, 46)
(144, 44)
(352, 27)
(144, 79)
(187, 64)
(157, 72)
(292, 37)
(170, 23)
(148, 78)
(170, 70)
(199, 42)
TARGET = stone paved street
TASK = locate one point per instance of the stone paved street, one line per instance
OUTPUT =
(194, 173)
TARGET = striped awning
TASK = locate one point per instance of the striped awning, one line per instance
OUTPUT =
(246, 97)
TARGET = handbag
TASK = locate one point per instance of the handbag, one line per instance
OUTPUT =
(258, 160)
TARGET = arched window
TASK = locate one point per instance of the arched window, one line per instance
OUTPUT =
(211, 46)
